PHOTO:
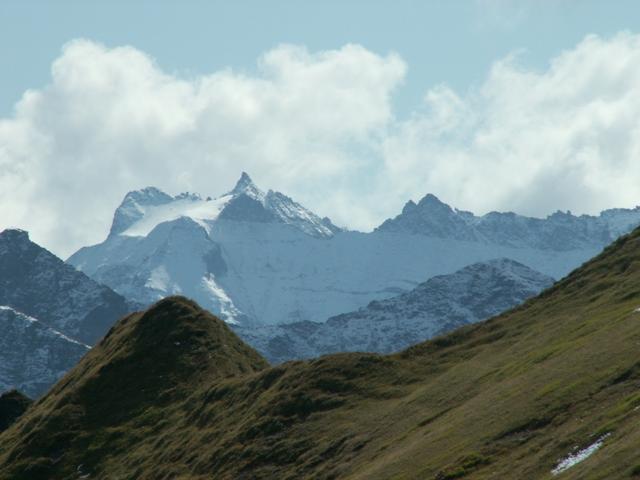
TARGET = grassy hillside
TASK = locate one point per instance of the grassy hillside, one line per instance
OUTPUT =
(507, 398)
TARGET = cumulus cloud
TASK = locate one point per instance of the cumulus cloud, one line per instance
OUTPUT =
(533, 142)
(111, 121)
(320, 127)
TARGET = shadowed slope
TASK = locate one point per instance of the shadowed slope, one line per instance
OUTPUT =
(12, 405)
(507, 398)
(37, 283)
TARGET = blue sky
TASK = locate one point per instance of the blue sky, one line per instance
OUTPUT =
(442, 41)
(350, 107)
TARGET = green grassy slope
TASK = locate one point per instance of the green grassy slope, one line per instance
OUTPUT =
(503, 399)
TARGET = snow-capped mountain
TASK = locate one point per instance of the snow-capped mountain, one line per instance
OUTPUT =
(33, 356)
(161, 245)
(37, 283)
(258, 258)
(142, 210)
(440, 304)
(559, 231)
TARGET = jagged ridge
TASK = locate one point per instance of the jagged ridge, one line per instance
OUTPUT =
(559, 231)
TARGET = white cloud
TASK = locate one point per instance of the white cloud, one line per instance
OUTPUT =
(533, 142)
(320, 127)
(112, 121)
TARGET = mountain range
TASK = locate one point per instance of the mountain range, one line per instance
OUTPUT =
(256, 258)
(560, 231)
(441, 304)
(546, 389)
(291, 283)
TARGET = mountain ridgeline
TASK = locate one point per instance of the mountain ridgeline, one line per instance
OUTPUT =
(441, 304)
(559, 231)
(173, 393)
(256, 258)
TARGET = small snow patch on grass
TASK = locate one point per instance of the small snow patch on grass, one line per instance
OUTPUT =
(577, 457)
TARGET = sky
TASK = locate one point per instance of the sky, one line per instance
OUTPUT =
(350, 107)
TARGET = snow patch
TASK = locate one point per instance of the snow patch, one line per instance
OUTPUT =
(579, 456)
(196, 209)
(32, 320)
(228, 310)
(158, 279)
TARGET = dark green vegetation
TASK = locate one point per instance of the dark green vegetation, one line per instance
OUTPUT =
(173, 393)
(12, 405)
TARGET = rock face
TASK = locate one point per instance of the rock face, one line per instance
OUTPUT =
(33, 356)
(256, 258)
(439, 305)
(36, 283)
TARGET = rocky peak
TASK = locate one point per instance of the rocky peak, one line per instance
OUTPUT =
(133, 206)
(431, 201)
(188, 196)
(245, 186)
(430, 216)
(14, 235)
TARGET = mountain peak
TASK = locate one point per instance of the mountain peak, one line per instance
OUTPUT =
(245, 178)
(431, 201)
(245, 186)
(147, 196)
(14, 234)
(133, 207)
(430, 216)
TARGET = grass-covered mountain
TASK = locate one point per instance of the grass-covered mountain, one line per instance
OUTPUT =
(173, 393)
